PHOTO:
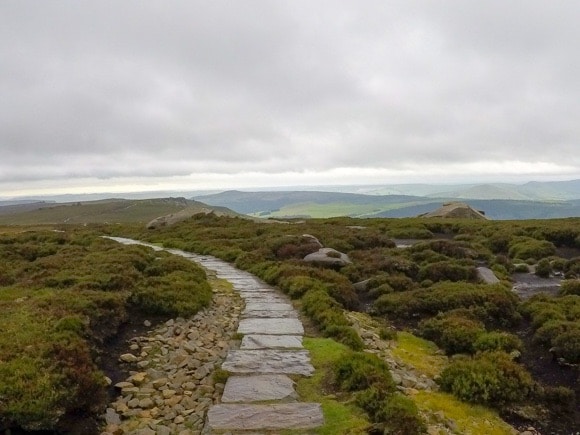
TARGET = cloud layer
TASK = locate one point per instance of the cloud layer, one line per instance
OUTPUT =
(108, 93)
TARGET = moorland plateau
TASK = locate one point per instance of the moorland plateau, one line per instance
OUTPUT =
(478, 351)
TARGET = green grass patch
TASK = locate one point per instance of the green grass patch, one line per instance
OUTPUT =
(421, 354)
(472, 419)
(340, 415)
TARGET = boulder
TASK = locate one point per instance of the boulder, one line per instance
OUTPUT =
(328, 257)
(455, 210)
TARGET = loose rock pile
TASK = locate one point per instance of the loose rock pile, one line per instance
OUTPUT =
(171, 387)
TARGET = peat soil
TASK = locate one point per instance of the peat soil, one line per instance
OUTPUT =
(546, 370)
(107, 360)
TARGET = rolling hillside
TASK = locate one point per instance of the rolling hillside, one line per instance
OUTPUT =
(104, 211)
(308, 203)
(332, 204)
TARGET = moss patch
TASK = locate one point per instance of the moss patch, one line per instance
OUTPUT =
(421, 354)
(469, 419)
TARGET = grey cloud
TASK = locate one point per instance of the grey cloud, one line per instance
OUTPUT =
(107, 89)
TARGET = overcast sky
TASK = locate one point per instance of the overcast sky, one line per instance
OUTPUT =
(150, 95)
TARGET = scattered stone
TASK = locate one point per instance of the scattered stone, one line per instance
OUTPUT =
(111, 417)
(128, 358)
(486, 275)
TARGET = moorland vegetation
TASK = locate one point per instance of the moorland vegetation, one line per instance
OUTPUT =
(75, 288)
(62, 296)
(432, 289)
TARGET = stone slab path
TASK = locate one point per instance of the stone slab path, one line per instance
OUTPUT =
(259, 396)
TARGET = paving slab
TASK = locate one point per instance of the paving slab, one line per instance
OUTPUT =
(271, 342)
(264, 314)
(279, 326)
(259, 388)
(266, 296)
(268, 361)
(265, 417)
(268, 306)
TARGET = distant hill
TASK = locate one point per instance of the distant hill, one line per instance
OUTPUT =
(11, 207)
(499, 209)
(328, 204)
(308, 203)
(102, 211)
(532, 191)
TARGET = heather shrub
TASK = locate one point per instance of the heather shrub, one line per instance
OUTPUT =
(359, 371)
(401, 416)
(543, 268)
(490, 378)
(570, 287)
(521, 268)
(494, 341)
(447, 271)
(498, 304)
(452, 332)
(567, 345)
(559, 400)
(449, 248)
(526, 248)
(547, 333)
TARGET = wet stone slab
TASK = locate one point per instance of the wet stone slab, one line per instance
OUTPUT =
(252, 288)
(268, 361)
(265, 417)
(264, 314)
(266, 296)
(268, 306)
(279, 326)
(271, 342)
(259, 388)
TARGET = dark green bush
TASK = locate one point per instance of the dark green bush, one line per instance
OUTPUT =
(494, 341)
(451, 332)
(358, 371)
(547, 333)
(559, 400)
(567, 345)
(527, 247)
(297, 286)
(497, 302)
(521, 268)
(329, 317)
(543, 268)
(401, 416)
(178, 293)
(570, 287)
(489, 378)
(447, 271)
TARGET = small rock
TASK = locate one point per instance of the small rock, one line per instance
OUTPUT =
(147, 323)
(128, 358)
(111, 417)
(146, 403)
(168, 393)
(138, 378)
